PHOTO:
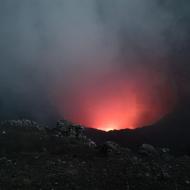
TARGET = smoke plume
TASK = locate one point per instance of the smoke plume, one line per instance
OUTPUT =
(103, 63)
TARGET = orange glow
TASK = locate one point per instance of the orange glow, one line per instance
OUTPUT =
(117, 103)
(115, 113)
(108, 127)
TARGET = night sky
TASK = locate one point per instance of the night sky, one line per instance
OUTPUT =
(107, 64)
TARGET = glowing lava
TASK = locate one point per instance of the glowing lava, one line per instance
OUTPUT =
(115, 112)
(108, 127)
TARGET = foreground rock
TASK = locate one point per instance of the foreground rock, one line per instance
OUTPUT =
(109, 147)
(69, 129)
(62, 157)
(147, 149)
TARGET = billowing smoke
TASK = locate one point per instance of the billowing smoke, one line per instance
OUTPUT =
(103, 63)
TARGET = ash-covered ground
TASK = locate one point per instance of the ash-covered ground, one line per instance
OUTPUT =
(62, 157)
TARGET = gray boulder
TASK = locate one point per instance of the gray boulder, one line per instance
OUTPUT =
(69, 129)
(147, 149)
(109, 147)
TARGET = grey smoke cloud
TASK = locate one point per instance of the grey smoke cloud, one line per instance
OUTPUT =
(59, 48)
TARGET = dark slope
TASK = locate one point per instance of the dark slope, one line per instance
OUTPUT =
(34, 157)
(172, 131)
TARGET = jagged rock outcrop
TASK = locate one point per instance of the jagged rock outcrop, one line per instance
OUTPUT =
(23, 123)
(66, 129)
(69, 129)
(27, 135)
(147, 149)
(109, 147)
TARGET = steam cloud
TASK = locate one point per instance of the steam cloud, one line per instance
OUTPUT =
(82, 59)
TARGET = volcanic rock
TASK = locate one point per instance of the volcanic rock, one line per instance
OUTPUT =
(70, 157)
(24, 123)
(147, 149)
(91, 143)
(109, 147)
(69, 129)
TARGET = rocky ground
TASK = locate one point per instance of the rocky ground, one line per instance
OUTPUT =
(37, 157)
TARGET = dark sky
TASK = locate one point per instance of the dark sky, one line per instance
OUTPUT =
(80, 59)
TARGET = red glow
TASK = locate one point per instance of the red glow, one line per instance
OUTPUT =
(117, 102)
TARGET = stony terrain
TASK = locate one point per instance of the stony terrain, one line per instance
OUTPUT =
(62, 157)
